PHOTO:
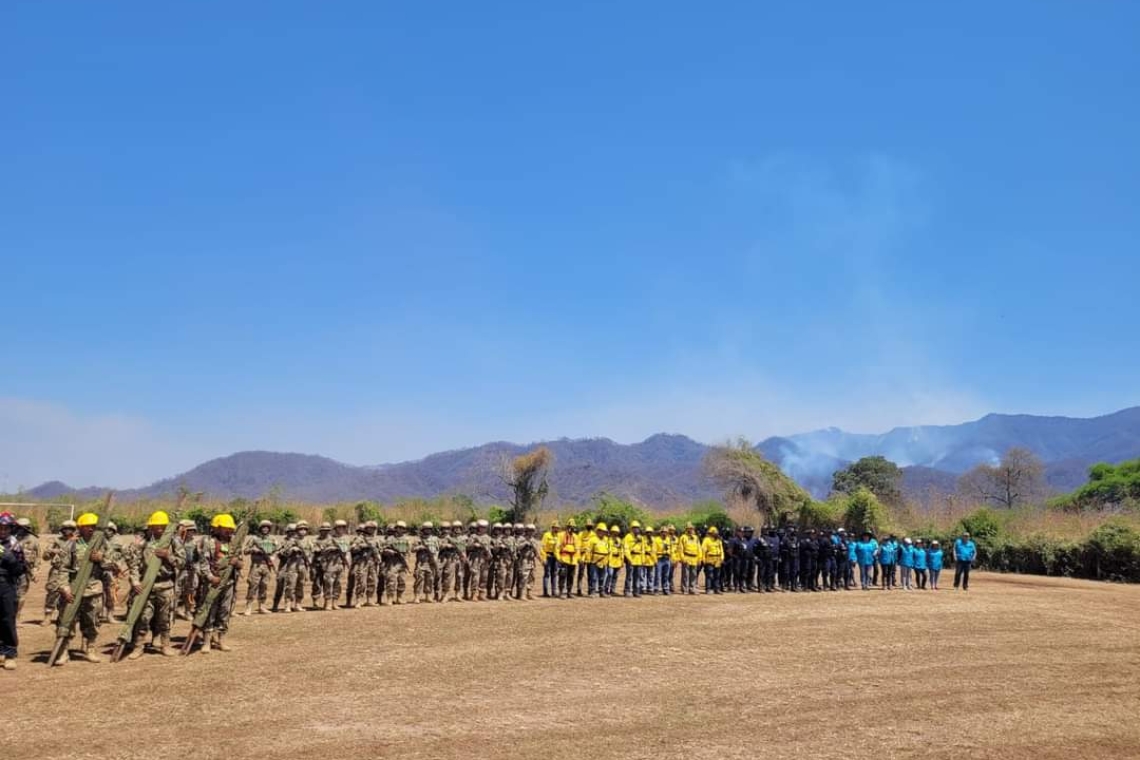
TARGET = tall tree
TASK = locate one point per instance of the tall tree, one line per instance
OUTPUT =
(526, 477)
(1018, 478)
(877, 474)
(752, 480)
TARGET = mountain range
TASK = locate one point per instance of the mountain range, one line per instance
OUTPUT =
(663, 471)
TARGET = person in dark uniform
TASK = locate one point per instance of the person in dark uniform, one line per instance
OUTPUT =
(809, 558)
(786, 566)
(770, 555)
(751, 543)
(827, 560)
(12, 567)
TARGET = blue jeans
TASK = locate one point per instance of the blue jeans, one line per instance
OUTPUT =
(550, 576)
(664, 576)
(866, 572)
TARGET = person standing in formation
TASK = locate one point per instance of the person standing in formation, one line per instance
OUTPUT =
(217, 553)
(65, 566)
(60, 543)
(158, 612)
(426, 551)
(260, 549)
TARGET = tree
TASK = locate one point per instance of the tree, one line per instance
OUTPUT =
(877, 474)
(752, 480)
(526, 477)
(1019, 478)
(863, 512)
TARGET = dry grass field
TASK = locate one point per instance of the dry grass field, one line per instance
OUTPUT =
(1020, 667)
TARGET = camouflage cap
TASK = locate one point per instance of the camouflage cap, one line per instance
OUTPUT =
(340, 524)
(481, 524)
(457, 524)
(302, 524)
(23, 522)
(325, 526)
(519, 526)
(265, 524)
(290, 527)
(530, 526)
(427, 526)
(401, 524)
(112, 527)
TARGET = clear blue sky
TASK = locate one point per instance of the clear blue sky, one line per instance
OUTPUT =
(372, 231)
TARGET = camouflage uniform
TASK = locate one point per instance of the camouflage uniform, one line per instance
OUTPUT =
(365, 553)
(58, 545)
(159, 608)
(451, 547)
(212, 559)
(500, 566)
(337, 565)
(395, 553)
(260, 549)
(114, 567)
(30, 545)
(294, 559)
(328, 555)
(528, 550)
(478, 557)
(65, 565)
(186, 585)
(427, 566)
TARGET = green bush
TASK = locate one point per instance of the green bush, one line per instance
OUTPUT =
(862, 511)
(707, 514)
(1114, 552)
(613, 510)
(984, 525)
(822, 515)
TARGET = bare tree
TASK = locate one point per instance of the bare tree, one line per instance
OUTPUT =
(751, 479)
(1017, 479)
(526, 477)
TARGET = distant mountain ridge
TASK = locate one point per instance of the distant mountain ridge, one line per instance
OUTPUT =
(663, 471)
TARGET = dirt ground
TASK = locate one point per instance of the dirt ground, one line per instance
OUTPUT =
(1020, 667)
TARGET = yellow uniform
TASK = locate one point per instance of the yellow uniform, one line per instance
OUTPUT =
(549, 542)
(689, 549)
(713, 551)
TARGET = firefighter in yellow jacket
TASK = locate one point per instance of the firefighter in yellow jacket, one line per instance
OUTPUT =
(599, 552)
(652, 546)
(566, 550)
(550, 561)
(689, 553)
(616, 560)
(636, 547)
(713, 551)
(665, 545)
(585, 556)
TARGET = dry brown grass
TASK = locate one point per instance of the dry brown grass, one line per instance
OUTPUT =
(1020, 667)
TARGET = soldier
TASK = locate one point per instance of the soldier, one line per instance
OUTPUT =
(279, 590)
(187, 583)
(517, 539)
(65, 565)
(336, 565)
(365, 553)
(550, 561)
(294, 558)
(159, 606)
(426, 550)
(216, 554)
(113, 567)
(12, 567)
(30, 546)
(321, 544)
(528, 550)
(690, 545)
(450, 579)
(260, 549)
(59, 544)
(496, 570)
(395, 555)
(478, 558)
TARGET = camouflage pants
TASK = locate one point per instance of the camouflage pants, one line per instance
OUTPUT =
(424, 582)
(51, 595)
(395, 581)
(219, 618)
(187, 585)
(497, 583)
(89, 616)
(449, 572)
(364, 573)
(524, 577)
(476, 576)
(257, 585)
(296, 575)
(157, 612)
(23, 583)
(110, 593)
(333, 577)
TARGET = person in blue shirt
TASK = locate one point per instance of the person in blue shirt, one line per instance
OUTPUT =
(888, 556)
(852, 560)
(965, 552)
(934, 562)
(866, 551)
(918, 558)
(906, 563)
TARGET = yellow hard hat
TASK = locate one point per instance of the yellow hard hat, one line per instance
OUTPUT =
(648, 528)
(87, 518)
(713, 531)
(570, 523)
(602, 526)
(615, 529)
(635, 524)
(224, 520)
(159, 518)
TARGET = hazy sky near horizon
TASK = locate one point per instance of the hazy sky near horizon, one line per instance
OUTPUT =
(372, 231)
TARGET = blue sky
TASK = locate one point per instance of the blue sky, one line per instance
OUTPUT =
(373, 232)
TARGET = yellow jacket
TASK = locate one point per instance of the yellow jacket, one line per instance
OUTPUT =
(636, 549)
(567, 548)
(617, 552)
(586, 547)
(674, 549)
(689, 548)
(549, 544)
(600, 550)
(713, 551)
(659, 549)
